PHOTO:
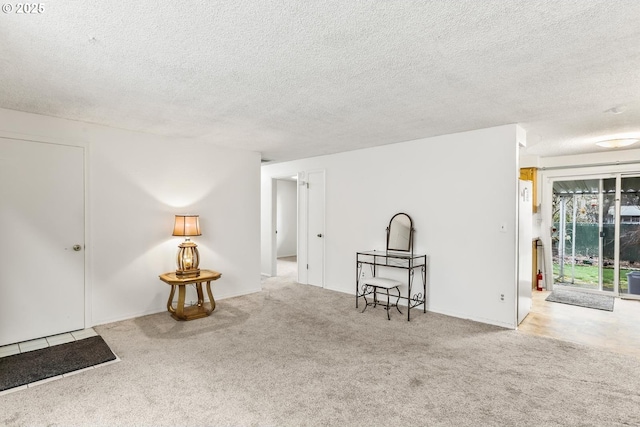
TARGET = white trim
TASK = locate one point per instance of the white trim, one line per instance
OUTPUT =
(273, 243)
(616, 240)
(88, 287)
(164, 309)
(43, 139)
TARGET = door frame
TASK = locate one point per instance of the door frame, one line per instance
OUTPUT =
(302, 219)
(548, 177)
(549, 274)
(275, 216)
(72, 142)
(621, 176)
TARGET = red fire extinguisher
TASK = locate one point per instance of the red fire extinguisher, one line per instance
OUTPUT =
(539, 279)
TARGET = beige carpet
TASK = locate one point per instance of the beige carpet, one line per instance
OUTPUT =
(297, 355)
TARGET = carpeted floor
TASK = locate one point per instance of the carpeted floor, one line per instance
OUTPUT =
(297, 355)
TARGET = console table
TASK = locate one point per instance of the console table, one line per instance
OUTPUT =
(180, 312)
(385, 259)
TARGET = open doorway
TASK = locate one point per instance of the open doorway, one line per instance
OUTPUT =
(594, 224)
(596, 230)
(286, 227)
(297, 215)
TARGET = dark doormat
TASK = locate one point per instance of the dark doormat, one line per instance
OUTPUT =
(25, 368)
(582, 299)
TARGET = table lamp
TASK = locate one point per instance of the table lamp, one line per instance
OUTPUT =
(188, 257)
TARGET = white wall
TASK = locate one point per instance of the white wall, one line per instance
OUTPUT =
(136, 183)
(457, 188)
(286, 221)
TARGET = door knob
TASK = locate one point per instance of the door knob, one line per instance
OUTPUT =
(77, 248)
(320, 235)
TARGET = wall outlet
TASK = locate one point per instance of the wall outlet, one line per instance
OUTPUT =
(501, 297)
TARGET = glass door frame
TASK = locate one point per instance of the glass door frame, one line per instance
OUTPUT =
(548, 198)
(547, 224)
(550, 174)
(616, 241)
(620, 177)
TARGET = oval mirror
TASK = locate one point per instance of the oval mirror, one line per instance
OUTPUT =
(400, 233)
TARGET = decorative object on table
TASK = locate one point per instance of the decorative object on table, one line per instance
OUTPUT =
(582, 299)
(188, 258)
(202, 309)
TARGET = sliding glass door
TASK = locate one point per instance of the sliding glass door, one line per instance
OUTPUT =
(577, 238)
(596, 234)
(608, 233)
(629, 237)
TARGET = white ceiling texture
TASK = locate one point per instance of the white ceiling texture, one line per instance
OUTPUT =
(294, 79)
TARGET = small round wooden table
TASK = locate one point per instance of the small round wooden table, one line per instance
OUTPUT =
(203, 309)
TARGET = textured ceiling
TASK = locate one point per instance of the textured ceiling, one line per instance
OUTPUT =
(294, 79)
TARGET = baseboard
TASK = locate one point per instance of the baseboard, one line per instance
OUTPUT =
(464, 316)
(163, 309)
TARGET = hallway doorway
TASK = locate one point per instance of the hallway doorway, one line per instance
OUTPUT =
(288, 267)
(286, 225)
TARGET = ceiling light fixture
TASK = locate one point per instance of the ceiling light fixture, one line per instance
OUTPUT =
(617, 143)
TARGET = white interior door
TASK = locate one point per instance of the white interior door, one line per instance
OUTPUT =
(302, 247)
(41, 220)
(315, 234)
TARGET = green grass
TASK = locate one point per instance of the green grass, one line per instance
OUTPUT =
(588, 275)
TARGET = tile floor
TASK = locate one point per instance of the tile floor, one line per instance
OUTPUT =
(37, 344)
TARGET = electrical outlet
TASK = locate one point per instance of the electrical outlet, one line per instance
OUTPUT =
(501, 297)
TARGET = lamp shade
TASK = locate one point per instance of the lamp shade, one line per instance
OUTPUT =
(187, 225)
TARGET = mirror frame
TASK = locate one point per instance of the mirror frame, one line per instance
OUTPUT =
(411, 230)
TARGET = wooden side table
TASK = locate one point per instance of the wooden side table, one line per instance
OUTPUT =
(180, 312)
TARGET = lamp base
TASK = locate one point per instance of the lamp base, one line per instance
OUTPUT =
(187, 260)
(188, 273)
